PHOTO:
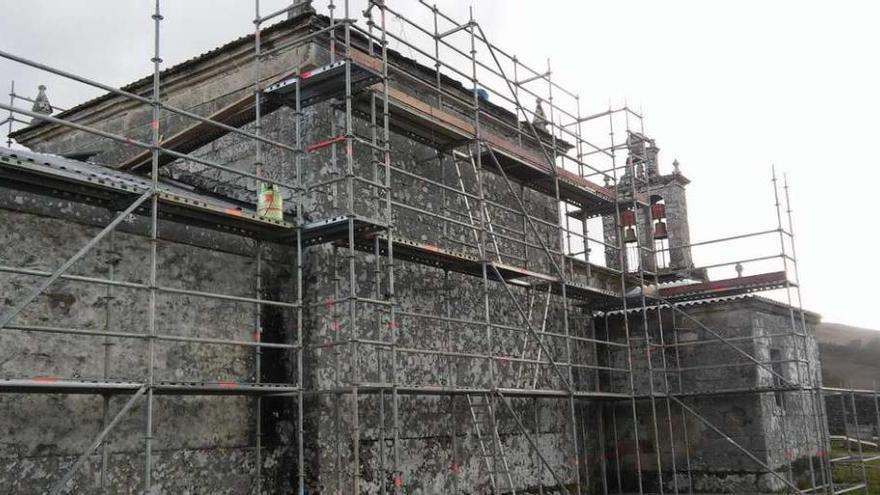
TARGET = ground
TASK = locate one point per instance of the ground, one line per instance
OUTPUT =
(852, 473)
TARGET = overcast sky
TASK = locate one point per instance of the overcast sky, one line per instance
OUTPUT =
(727, 88)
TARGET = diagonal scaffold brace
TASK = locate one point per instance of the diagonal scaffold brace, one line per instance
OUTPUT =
(97, 442)
(9, 316)
(531, 441)
(735, 444)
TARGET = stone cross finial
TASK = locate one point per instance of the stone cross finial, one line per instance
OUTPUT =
(675, 169)
(41, 103)
(540, 119)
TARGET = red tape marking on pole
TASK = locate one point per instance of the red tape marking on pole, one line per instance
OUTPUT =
(324, 144)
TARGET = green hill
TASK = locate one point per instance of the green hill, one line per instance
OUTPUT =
(850, 355)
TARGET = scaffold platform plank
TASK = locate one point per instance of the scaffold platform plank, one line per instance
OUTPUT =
(322, 83)
(417, 118)
(726, 287)
(375, 387)
(101, 186)
(455, 261)
(720, 392)
(337, 228)
(424, 254)
(588, 196)
(52, 385)
(317, 84)
(597, 296)
(435, 256)
(236, 114)
(608, 210)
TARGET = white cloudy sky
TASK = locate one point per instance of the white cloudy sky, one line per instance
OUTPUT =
(727, 88)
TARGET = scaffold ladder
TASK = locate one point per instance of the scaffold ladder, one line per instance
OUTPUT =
(475, 221)
(491, 448)
(524, 379)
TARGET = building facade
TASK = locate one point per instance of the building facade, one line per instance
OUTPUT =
(414, 324)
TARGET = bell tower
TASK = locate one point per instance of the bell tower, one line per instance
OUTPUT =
(663, 226)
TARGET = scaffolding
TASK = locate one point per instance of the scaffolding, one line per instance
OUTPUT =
(538, 263)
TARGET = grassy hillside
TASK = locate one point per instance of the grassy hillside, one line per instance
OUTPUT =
(850, 355)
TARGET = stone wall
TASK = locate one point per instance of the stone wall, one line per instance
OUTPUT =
(777, 427)
(199, 442)
(861, 421)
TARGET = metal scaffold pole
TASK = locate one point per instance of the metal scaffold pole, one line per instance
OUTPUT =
(258, 330)
(258, 356)
(620, 252)
(684, 426)
(391, 295)
(11, 119)
(299, 259)
(112, 260)
(820, 422)
(154, 240)
(643, 225)
(483, 223)
(354, 329)
(805, 383)
(648, 254)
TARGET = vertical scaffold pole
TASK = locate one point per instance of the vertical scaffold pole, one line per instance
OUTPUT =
(258, 167)
(684, 427)
(600, 408)
(300, 220)
(378, 164)
(354, 331)
(258, 356)
(852, 398)
(561, 211)
(11, 114)
(876, 411)
(650, 251)
(823, 445)
(154, 239)
(483, 218)
(640, 259)
(621, 259)
(389, 218)
(796, 348)
(112, 260)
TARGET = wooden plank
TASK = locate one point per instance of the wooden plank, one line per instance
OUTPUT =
(463, 129)
(236, 114)
(191, 138)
